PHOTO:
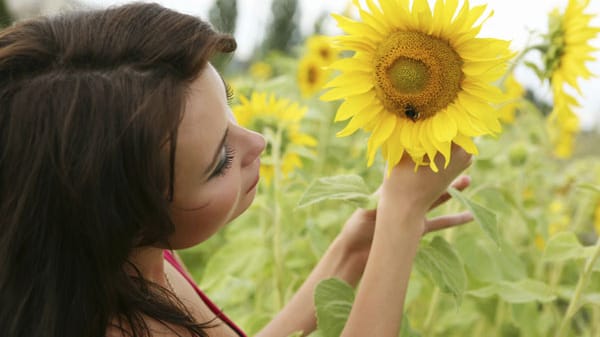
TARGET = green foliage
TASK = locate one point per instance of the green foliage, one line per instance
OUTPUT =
(440, 262)
(484, 217)
(350, 188)
(333, 301)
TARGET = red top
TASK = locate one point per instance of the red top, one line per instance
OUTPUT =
(213, 307)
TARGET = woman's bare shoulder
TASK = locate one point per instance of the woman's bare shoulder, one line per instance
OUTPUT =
(155, 329)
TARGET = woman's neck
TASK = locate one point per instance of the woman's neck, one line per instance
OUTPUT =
(150, 263)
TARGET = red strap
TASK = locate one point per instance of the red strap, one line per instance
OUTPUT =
(213, 307)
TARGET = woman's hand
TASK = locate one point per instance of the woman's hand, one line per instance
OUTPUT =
(358, 230)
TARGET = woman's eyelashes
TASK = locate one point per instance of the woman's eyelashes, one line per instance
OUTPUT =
(230, 94)
(227, 155)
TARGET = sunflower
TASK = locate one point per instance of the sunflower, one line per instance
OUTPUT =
(279, 120)
(514, 92)
(563, 124)
(567, 46)
(320, 46)
(312, 75)
(261, 70)
(419, 79)
(566, 50)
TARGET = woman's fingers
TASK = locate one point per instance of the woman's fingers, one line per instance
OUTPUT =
(447, 221)
(459, 183)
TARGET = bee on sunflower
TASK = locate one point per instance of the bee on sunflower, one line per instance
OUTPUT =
(278, 119)
(419, 79)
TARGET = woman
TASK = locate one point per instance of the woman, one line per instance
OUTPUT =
(117, 146)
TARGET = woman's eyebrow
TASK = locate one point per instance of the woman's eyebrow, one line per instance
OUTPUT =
(217, 153)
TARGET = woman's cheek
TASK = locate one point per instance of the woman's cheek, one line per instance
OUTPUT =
(197, 225)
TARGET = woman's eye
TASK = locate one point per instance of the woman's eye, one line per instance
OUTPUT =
(230, 94)
(227, 155)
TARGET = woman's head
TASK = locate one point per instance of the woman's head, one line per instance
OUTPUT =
(217, 163)
(90, 107)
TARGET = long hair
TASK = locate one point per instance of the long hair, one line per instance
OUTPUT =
(89, 107)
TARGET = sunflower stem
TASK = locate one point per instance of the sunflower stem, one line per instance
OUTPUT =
(435, 297)
(277, 252)
(520, 56)
(499, 318)
(582, 283)
(431, 311)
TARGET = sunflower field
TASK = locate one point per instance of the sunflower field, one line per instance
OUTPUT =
(406, 78)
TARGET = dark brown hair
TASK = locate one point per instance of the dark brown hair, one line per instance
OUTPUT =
(89, 105)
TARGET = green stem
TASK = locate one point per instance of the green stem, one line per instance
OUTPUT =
(574, 304)
(596, 318)
(431, 311)
(435, 297)
(499, 318)
(324, 136)
(277, 251)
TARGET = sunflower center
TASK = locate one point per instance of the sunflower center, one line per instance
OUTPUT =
(408, 75)
(416, 74)
(312, 75)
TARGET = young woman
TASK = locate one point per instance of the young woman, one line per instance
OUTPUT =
(117, 146)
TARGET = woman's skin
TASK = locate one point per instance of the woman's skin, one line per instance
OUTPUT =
(216, 171)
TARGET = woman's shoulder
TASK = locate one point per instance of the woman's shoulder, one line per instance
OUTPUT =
(155, 329)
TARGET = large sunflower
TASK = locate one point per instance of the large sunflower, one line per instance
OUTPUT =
(419, 78)
(279, 121)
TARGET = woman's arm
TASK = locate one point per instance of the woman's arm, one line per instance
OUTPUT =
(401, 214)
(406, 196)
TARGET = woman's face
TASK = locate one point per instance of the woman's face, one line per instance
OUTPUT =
(216, 164)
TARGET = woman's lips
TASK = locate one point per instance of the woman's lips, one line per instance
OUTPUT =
(253, 184)
(257, 176)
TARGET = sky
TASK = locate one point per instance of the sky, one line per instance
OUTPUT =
(511, 20)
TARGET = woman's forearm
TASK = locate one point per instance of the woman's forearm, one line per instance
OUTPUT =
(379, 302)
(299, 313)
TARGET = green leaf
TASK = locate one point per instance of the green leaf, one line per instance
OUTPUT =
(351, 188)
(486, 262)
(483, 216)
(406, 330)
(539, 72)
(522, 291)
(440, 262)
(563, 246)
(590, 187)
(333, 299)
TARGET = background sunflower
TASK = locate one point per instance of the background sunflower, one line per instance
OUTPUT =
(566, 50)
(278, 120)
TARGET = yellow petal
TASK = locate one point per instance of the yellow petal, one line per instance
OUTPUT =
(466, 143)
(358, 121)
(382, 132)
(443, 126)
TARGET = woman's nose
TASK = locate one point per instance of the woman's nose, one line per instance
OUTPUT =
(255, 143)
